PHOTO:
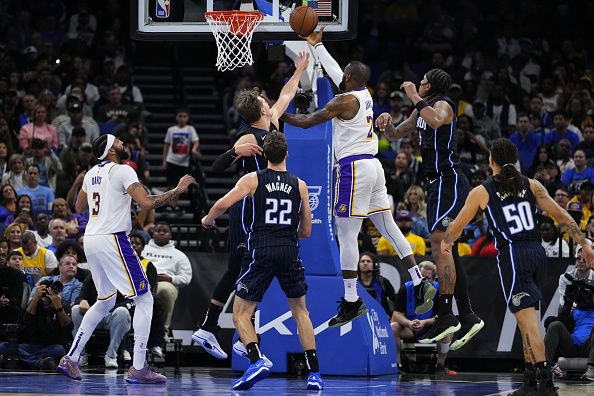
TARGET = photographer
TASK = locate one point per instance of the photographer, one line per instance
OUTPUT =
(571, 334)
(71, 286)
(11, 293)
(46, 328)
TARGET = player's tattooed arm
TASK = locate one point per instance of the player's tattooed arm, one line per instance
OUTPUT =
(139, 194)
(344, 106)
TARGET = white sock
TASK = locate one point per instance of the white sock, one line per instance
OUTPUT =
(143, 315)
(350, 290)
(90, 321)
(415, 274)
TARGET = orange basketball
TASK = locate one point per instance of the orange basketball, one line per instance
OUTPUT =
(303, 21)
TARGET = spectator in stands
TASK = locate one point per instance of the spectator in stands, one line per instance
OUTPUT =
(537, 109)
(404, 221)
(77, 120)
(582, 202)
(130, 93)
(11, 291)
(501, 110)
(4, 155)
(38, 128)
(561, 197)
(57, 229)
(376, 285)
(380, 99)
(408, 326)
(118, 321)
(9, 118)
(574, 177)
(462, 106)
(29, 104)
(41, 232)
(50, 167)
(10, 138)
(573, 312)
(156, 337)
(588, 143)
(24, 211)
(8, 202)
(550, 97)
(401, 179)
(15, 260)
(173, 268)
(406, 147)
(74, 158)
(551, 240)
(75, 223)
(180, 145)
(37, 261)
(67, 268)
(397, 107)
(414, 201)
(16, 176)
(526, 142)
(471, 148)
(12, 234)
(42, 197)
(115, 110)
(560, 132)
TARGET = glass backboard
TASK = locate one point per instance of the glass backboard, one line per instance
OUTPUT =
(184, 19)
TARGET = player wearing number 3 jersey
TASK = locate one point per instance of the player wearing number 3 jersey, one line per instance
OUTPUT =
(361, 184)
(107, 192)
(510, 203)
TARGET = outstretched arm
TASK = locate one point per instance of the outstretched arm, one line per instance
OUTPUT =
(288, 92)
(477, 199)
(245, 186)
(405, 129)
(340, 106)
(146, 201)
(328, 63)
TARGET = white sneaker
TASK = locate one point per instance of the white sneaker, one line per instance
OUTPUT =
(111, 363)
(209, 342)
(83, 360)
(127, 356)
(157, 351)
(240, 350)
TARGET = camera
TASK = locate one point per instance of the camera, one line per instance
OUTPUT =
(581, 292)
(303, 101)
(56, 286)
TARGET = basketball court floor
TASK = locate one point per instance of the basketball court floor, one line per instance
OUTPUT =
(205, 381)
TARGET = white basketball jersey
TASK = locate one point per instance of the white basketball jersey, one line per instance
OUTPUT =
(355, 136)
(106, 186)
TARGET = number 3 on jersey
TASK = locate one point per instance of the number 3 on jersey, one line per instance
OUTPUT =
(273, 216)
(519, 217)
(96, 203)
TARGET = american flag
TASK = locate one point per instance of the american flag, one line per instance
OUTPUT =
(322, 7)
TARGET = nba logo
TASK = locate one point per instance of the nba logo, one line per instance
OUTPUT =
(163, 8)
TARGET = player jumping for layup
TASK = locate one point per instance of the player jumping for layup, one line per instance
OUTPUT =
(262, 118)
(281, 215)
(510, 201)
(107, 191)
(361, 188)
(435, 122)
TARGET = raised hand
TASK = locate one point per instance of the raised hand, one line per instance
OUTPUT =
(409, 88)
(185, 182)
(382, 121)
(302, 61)
(248, 150)
(315, 37)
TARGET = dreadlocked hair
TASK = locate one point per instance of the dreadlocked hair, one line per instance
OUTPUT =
(440, 81)
(509, 181)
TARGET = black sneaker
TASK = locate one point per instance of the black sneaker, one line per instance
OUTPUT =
(529, 386)
(442, 371)
(546, 386)
(348, 311)
(471, 324)
(443, 327)
(424, 293)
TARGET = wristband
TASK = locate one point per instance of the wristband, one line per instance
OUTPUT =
(421, 104)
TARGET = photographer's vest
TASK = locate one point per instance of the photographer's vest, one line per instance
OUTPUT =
(35, 265)
(584, 320)
(411, 303)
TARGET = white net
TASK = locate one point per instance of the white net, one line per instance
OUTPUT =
(233, 34)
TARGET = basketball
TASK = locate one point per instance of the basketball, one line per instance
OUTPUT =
(303, 20)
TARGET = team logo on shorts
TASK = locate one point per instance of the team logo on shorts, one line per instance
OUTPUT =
(517, 298)
(142, 285)
(342, 208)
(314, 196)
(240, 286)
(446, 221)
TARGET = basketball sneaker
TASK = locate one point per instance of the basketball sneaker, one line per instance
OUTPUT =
(529, 386)
(442, 371)
(209, 342)
(69, 368)
(314, 382)
(470, 325)
(424, 293)
(145, 376)
(546, 387)
(444, 326)
(256, 372)
(240, 350)
(348, 311)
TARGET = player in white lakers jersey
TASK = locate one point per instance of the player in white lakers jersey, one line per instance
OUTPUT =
(361, 185)
(107, 192)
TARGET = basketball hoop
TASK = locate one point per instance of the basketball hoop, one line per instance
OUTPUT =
(233, 34)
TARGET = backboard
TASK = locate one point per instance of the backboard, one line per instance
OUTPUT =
(178, 20)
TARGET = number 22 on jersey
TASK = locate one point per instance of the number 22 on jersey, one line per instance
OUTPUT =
(278, 211)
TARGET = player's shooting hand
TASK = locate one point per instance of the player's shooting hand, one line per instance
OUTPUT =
(382, 121)
(302, 61)
(409, 88)
(446, 248)
(207, 223)
(248, 150)
(315, 37)
(185, 182)
(588, 255)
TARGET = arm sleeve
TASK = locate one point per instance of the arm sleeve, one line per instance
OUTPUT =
(184, 272)
(223, 161)
(123, 175)
(329, 64)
